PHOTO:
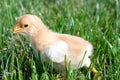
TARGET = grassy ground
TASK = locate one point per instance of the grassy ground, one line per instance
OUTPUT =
(98, 21)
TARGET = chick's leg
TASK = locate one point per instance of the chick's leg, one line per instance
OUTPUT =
(87, 63)
(94, 71)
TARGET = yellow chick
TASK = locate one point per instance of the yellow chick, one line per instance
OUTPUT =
(55, 46)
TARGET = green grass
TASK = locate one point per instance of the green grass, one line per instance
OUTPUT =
(97, 21)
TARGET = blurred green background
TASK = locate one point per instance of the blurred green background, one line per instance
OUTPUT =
(97, 21)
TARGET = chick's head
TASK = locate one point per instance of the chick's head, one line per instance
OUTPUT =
(28, 25)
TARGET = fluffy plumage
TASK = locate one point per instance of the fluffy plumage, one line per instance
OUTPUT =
(55, 46)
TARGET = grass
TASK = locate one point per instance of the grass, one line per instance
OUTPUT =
(97, 21)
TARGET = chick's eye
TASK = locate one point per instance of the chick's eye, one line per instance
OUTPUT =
(26, 25)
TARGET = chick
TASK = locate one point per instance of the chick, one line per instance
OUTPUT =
(55, 46)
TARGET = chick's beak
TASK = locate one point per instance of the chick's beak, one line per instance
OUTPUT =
(17, 29)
